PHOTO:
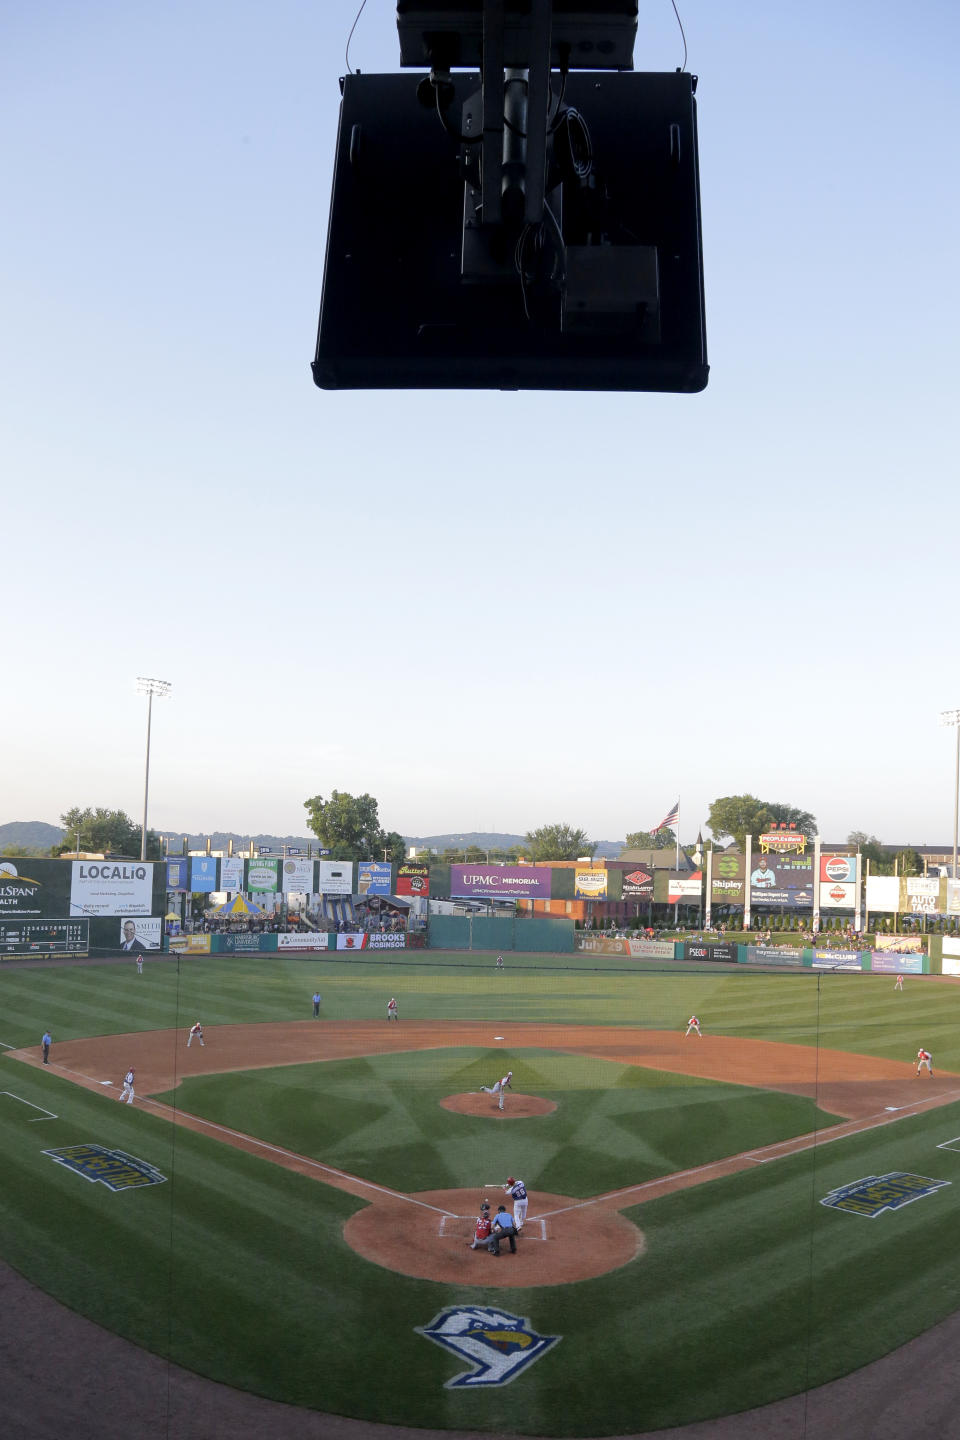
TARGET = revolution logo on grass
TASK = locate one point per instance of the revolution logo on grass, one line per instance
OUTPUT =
(874, 1194)
(113, 1168)
(497, 1343)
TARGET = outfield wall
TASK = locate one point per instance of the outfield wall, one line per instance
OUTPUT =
(492, 932)
(884, 961)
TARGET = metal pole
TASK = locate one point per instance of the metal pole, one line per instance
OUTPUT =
(956, 803)
(146, 779)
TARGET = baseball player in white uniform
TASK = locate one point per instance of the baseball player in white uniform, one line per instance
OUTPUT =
(899, 984)
(393, 1009)
(196, 1033)
(127, 1092)
(693, 1024)
(518, 1193)
(499, 1087)
(924, 1058)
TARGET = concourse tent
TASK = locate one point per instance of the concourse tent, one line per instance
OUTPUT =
(238, 906)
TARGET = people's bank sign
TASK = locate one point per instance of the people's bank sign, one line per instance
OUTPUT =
(498, 881)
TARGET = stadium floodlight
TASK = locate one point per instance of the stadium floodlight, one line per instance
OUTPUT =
(149, 687)
(952, 718)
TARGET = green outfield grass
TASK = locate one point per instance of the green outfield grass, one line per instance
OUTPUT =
(749, 1288)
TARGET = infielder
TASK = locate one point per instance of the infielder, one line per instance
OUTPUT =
(196, 1033)
(899, 984)
(693, 1024)
(924, 1058)
(393, 1010)
(127, 1092)
(499, 1087)
(518, 1193)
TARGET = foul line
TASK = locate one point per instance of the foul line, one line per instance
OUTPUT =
(290, 1155)
(6, 1046)
(45, 1114)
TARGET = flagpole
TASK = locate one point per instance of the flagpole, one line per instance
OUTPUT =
(676, 908)
(678, 834)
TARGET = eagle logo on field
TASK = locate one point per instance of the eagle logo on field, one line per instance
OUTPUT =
(497, 1344)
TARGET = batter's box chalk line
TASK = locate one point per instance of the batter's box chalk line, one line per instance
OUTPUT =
(463, 1227)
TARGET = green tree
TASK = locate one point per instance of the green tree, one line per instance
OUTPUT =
(647, 840)
(558, 842)
(881, 863)
(909, 863)
(106, 831)
(349, 827)
(737, 816)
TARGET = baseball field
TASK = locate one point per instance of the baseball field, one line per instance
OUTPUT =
(715, 1221)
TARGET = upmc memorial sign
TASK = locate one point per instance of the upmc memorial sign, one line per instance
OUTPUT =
(501, 880)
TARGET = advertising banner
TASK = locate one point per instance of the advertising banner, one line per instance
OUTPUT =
(883, 894)
(392, 940)
(783, 881)
(685, 889)
(891, 963)
(695, 951)
(178, 875)
(190, 944)
(951, 944)
(838, 869)
(609, 945)
(296, 876)
(953, 897)
(203, 874)
(30, 889)
(231, 874)
(413, 878)
(307, 941)
(837, 896)
(951, 964)
(110, 887)
(334, 877)
(638, 884)
(589, 884)
(923, 895)
(373, 877)
(728, 881)
(137, 935)
(531, 880)
(837, 960)
(903, 944)
(240, 943)
(262, 875)
(352, 942)
(770, 955)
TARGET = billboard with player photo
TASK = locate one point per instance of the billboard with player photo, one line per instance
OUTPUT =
(782, 881)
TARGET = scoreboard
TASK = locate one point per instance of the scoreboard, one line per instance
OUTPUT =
(44, 937)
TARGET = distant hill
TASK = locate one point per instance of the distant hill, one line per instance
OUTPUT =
(34, 835)
(37, 836)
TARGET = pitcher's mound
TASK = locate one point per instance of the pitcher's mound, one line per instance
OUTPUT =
(515, 1107)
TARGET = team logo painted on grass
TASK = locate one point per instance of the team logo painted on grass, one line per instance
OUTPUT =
(113, 1168)
(874, 1194)
(499, 1345)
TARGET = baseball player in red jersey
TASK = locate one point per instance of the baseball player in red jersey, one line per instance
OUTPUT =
(499, 1087)
(127, 1092)
(924, 1058)
(393, 1009)
(693, 1024)
(196, 1033)
(899, 984)
(484, 1226)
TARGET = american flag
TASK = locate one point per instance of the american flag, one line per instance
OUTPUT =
(669, 821)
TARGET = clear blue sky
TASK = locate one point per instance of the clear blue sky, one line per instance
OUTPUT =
(750, 589)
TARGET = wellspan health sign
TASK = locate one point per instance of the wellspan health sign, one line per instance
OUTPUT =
(501, 880)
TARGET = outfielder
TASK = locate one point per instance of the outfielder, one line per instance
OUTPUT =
(127, 1092)
(693, 1024)
(196, 1033)
(924, 1058)
(899, 984)
(499, 1087)
(499, 962)
(139, 964)
(518, 1193)
(393, 1010)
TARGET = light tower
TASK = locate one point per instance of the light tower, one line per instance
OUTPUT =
(952, 717)
(149, 687)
